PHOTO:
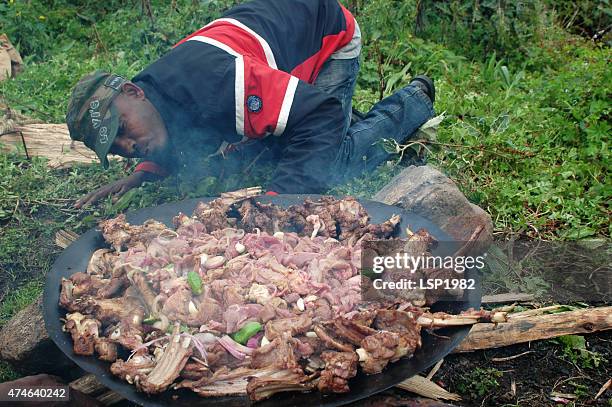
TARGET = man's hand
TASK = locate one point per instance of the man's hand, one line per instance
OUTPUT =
(116, 189)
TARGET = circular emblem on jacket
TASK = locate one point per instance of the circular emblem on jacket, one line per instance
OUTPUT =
(254, 103)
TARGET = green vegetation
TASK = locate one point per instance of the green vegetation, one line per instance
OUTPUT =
(574, 350)
(19, 299)
(479, 382)
(526, 133)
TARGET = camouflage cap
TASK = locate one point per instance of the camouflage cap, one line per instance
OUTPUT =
(91, 116)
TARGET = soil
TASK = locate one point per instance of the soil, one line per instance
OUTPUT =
(536, 374)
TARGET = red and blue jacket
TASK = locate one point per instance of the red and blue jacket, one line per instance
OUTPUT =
(249, 75)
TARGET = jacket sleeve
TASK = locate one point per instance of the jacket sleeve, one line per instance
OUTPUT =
(311, 142)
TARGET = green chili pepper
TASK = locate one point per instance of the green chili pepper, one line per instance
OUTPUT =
(150, 320)
(246, 332)
(368, 272)
(195, 282)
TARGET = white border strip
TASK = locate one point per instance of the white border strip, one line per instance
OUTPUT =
(239, 95)
(283, 116)
(214, 43)
(264, 44)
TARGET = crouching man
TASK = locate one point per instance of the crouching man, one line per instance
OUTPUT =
(273, 73)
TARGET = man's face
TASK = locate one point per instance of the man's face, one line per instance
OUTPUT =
(142, 133)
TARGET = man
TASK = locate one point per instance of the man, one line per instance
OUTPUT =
(279, 73)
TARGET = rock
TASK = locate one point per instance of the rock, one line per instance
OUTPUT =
(429, 193)
(25, 344)
(5, 65)
(10, 60)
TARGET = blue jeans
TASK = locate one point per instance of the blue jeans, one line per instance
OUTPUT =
(396, 117)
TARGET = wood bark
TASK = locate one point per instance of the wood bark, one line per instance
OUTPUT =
(90, 385)
(533, 328)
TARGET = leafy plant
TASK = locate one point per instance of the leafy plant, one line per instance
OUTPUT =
(479, 382)
(574, 349)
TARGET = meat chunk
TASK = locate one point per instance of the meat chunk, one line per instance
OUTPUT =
(169, 365)
(213, 214)
(331, 342)
(265, 217)
(402, 323)
(363, 317)
(127, 333)
(111, 310)
(278, 353)
(292, 325)
(339, 368)
(106, 349)
(133, 369)
(351, 331)
(102, 262)
(80, 285)
(377, 350)
(195, 371)
(120, 234)
(225, 382)
(265, 386)
(385, 229)
(84, 331)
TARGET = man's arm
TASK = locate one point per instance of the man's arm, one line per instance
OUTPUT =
(145, 171)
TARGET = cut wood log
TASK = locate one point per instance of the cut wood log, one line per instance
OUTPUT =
(25, 344)
(64, 238)
(507, 298)
(533, 328)
(51, 141)
(90, 385)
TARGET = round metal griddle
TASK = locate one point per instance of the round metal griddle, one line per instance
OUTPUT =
(76, 257)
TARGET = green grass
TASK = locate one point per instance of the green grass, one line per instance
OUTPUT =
(526, 134)
(7, 373)
(20, 298)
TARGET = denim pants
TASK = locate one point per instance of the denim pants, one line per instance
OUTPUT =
(395, 117)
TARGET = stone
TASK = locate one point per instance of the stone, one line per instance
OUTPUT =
(25, 344)
(429, 193)
(14, 59)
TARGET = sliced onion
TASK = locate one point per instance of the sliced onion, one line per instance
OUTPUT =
(146, 345)
(253, 342)
(237, 350)
(198, 345)
(206, 338)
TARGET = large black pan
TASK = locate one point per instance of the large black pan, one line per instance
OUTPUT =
(76, 257)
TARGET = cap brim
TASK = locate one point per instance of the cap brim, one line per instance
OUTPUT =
(105, 140)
